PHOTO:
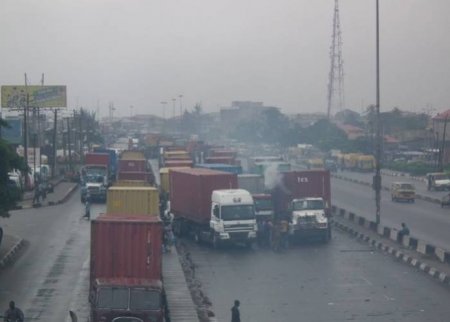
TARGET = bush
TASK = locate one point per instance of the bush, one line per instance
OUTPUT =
(413, 168)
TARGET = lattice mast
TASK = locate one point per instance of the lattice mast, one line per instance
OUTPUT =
(336, 75)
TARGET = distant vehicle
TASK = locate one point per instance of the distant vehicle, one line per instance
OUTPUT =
(445, 201)
(438, 181)
(331, 165)
(403, 191)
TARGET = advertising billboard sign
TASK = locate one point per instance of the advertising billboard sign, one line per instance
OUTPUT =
(39, 96)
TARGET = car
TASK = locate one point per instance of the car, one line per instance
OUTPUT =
(403, 191)
(445, 201)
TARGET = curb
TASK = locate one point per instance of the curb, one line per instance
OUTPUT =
(410, 260)
(51, 203)
(11, 255)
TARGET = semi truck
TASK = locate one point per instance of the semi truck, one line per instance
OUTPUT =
(95, 177)
(305, 198)
(207, 205)
(125, 269)
(112, 161)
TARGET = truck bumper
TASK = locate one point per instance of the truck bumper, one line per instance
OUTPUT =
(241, 236)
(311, 233)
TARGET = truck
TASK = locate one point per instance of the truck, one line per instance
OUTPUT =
(112, 162)
(305, 198)
(207, 205)
(264, 209)
(126, 269)
(95, 177)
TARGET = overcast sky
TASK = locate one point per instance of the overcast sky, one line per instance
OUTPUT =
(141, 52)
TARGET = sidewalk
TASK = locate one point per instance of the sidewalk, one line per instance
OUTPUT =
(61, 192)
(10, 245)
(416, 253)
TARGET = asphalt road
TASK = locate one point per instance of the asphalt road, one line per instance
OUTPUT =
(44, 279)
(427, 221)
(344, 280)
(421, 187)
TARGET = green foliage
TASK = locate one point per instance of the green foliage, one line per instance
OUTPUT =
(413, 168)
(9, 160)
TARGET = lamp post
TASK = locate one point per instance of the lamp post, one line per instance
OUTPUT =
(163, 103)
(377, 177)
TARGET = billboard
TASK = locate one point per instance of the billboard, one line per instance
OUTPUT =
(13, 133)
(39, 96)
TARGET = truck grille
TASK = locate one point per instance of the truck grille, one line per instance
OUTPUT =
(238, 227)
(93, 189)
(239, 235)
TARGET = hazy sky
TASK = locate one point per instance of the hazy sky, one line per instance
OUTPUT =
(140, 52)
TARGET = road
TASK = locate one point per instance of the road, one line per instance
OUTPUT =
(43, 281)
(427, 221)
(421, 187)
(341, 281)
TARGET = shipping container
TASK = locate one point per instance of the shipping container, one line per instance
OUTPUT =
(131, 183)
(133, 165)
(132, 155)
(302, 184)
(164, 177)
(191, 191)
(133, 201)
(126, 247)
(136, 175)
(221, 160)
(253, 183)
(221, 167)
(96, 159)
(176, 155)
(220, 152)
(112, 158)
(178, 163)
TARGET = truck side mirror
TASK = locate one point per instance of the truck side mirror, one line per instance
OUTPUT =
(216, 211)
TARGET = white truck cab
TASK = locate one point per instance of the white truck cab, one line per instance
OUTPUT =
(233, 216)
(309, 219)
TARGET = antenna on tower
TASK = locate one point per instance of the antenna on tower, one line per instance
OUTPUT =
(336, 75)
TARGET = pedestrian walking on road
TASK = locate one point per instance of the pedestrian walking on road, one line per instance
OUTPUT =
(235, 314)
(284, 234)
(268, 233)
(37, 194)
(13, 314)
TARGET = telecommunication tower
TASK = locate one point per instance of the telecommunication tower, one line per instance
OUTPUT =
(336, 75)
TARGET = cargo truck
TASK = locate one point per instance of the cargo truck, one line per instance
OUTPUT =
(305, 197)
(95, 177)
(125, 269)
(112, 161)
(207, 205)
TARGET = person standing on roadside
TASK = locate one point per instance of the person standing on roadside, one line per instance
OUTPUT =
(235, 314)
(13, 314)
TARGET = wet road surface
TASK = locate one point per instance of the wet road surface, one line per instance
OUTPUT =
(344, 280)
(426, 220)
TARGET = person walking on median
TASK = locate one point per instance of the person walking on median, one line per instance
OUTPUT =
(403, 232)
(36, 194)
(13, 314)
(235, 314)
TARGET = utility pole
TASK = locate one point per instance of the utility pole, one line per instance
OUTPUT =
(181, 105)
(377, 177)
(68, 143)
(173, 109)
(163, 103)
(81, 134)
(336, 74)
(25, 131)
(54, 142)
(442, 150)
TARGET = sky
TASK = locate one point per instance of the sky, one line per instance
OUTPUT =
(142, 52)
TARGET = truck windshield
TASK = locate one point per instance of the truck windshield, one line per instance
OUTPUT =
(237, 212)
(308, 204)
(406, 186)
(113, 298)
(263, 204)
(145, 299)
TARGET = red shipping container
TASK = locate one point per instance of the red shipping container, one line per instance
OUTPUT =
(133, 165)
(96, 159)
(223, 153)
(191, 190)
(302, 184)
(135, 175)
(126, 247)
(178, 163)
(221, 160)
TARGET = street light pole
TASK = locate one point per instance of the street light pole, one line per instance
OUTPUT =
(377, 177)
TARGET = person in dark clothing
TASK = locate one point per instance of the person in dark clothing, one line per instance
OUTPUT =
(13, 314)
(37, 194)
(403, 232)
(235, 314)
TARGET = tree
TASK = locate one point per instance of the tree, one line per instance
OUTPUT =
(9, 160)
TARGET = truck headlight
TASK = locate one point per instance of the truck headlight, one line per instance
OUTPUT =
(252, 234)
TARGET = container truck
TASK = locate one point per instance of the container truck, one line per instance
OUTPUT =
(95, 177)
(253, 183)
(207, 205)
(133, 200)
(136, 175)
(112, 162)
(305, 197)
(125, 269)
(178, 163)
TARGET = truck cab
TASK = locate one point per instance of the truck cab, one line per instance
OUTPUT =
(232, 217)
(94, 181)
(438, 181)
(308, 218)
(263, 207)
(141, 300)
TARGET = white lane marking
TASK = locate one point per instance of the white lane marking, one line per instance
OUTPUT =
(367, 281)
